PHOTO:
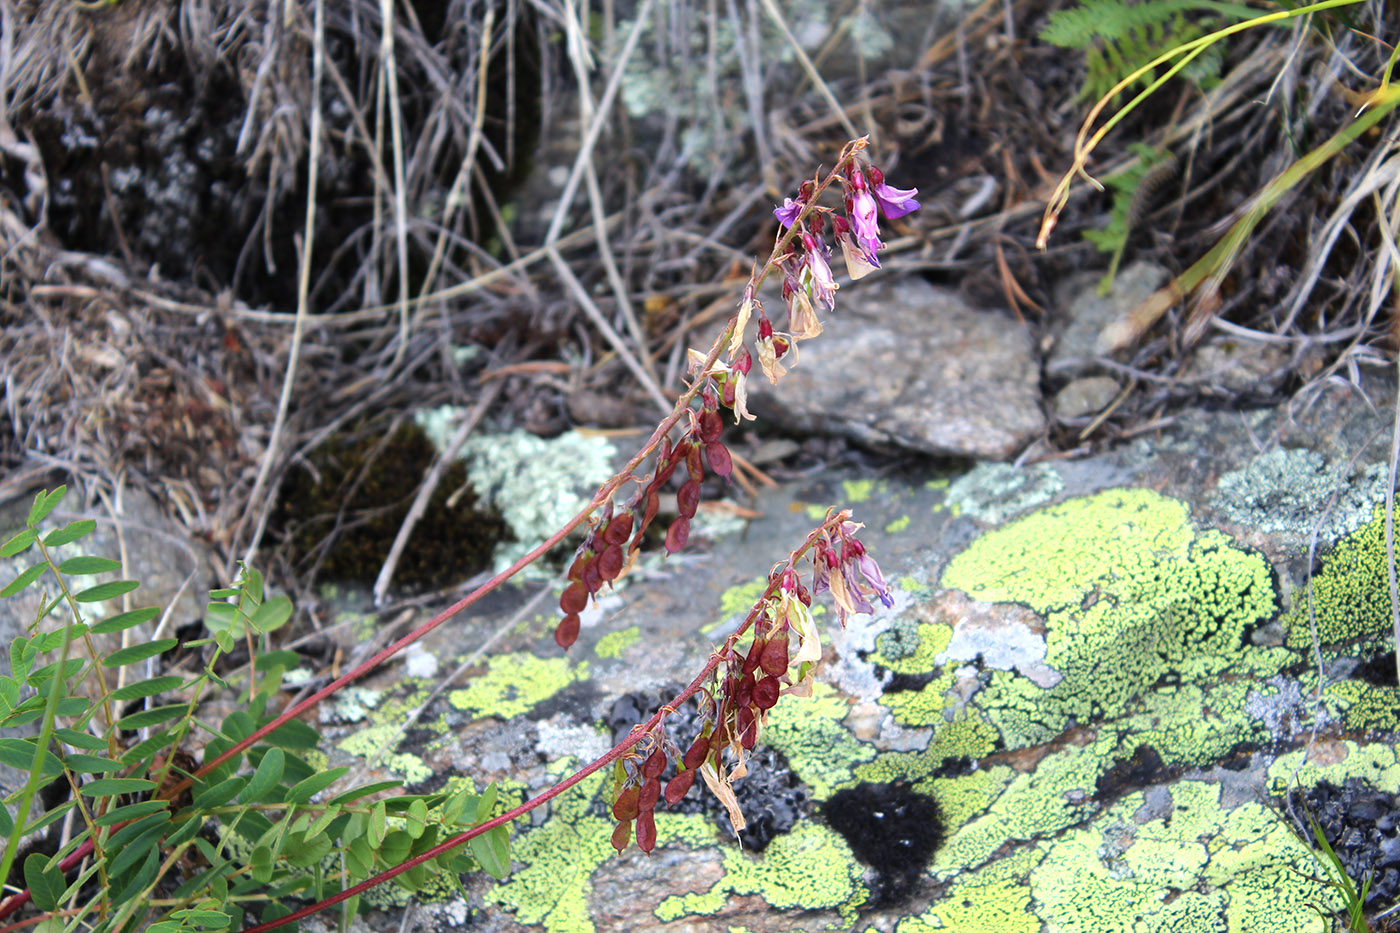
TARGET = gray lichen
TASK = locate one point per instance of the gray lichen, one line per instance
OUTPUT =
(1289, 492)
(994, 492)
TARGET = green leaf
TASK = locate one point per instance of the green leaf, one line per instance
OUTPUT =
(186, 831)
(23, 580)
(84, 565)
(492, 851)
(149, 747)
(303, 852)
(143, 877)
(19, 753)
(125, 620)
(44, 503)
(131, 812)
(135, 653)
(416, 819)
(272, 614)
(378, 825)
(80, 740)
(50, 641)
(359, 858)
(283, 659)
(355, 793)
(225, 642)
(266, 777)
(90, 764)
(19, 543)
(486, 803)
(275, 911)
(107, 787)
(104, 591)
(147, 688)
(136, 830)
(304, 790)
(293, 734)
(220, 793)
(319, 825)
(152, 717)
(53, 816)
(209, 919)
(45, 884)
(131, 852)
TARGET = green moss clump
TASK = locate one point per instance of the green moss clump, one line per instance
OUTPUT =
(342, 511)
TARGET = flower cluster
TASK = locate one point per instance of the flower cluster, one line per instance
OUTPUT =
(781, 659)
(616, 540)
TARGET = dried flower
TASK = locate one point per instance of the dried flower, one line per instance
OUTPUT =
(859, 262)
(817, 271)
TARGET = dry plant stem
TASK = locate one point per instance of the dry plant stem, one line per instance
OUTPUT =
(303, 285)
(429, 486)
(1390, 528)
(389, 73)
(812, 75)
(832, 523)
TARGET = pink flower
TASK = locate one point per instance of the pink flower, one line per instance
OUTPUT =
(861, 207)
(894, 202)
(788, 212)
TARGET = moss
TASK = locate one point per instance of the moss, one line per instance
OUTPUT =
(613, 644)
(1350, 596)
(345, 507)
(514, 683)
(1131, 592)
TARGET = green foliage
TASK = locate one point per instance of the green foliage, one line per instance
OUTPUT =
(1119, 37)
(109, 747)
(1133, 189)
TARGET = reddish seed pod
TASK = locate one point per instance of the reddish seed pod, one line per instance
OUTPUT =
(697, 753)
(695, 465)
(744, 721)
(754, 658)
(717, 455)
(610, 562)
(775, 656)
(654, 765)
(688, 498)
(651, 792)
(749, 737)
(743, 695)
(682, 452)
(566, 632)
(622, 834)
(619, 529)
(677, 534)
(574, 599)
(592, 580)
(711, 426)
(765, 693)
(727, 396)
(678, 787)
(576, 568)
(646, 832)
(627, 804)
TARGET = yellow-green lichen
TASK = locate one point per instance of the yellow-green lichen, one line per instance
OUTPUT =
(809, 868)
(1350, 596)
(735, 603)
(809, 733)
(1376, 763)
(513, 683)
(996, 899)
(1367, 707)
(613, 644)
(857, 490)
(1131, 592)
(897, 525)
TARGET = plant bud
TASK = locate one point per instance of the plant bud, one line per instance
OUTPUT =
(688, 498)
(566, 632)
(574, 599)
(679, 786)
(676, 535)
(646, 832)
(765, 693)
(622, 834)
(627, 804)
(610, 562)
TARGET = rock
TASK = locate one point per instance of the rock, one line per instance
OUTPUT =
(1086, 396)
(1084, 313)
(906, 364)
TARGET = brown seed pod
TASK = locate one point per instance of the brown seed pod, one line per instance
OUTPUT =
(619, 529)
(677, 534)
(743, 695)
(697, 753)
(651, 792)
(646, 831)
(688, 498)
(654, 765)
(711, 426)
(566, 632)
(627, 804)
(721, 464)
(622, 834)
(610, 562)
(775, 655)
(695, 464)
(765, 693)
(679, 786)
(754, 658)
(580, 561)
(591, 578)
(574, 599)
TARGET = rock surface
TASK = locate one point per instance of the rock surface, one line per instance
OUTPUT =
(1095, 682)
(904, 364)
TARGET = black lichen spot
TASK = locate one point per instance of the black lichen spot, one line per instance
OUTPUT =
(891, 828)
(343, 510)
(1379, 670)
(771, 796)
(1362, 825)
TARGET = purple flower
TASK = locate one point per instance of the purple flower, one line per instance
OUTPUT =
(894, 202)
(823, 285)
(871, 572)
(789, 211)
(861, 207)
